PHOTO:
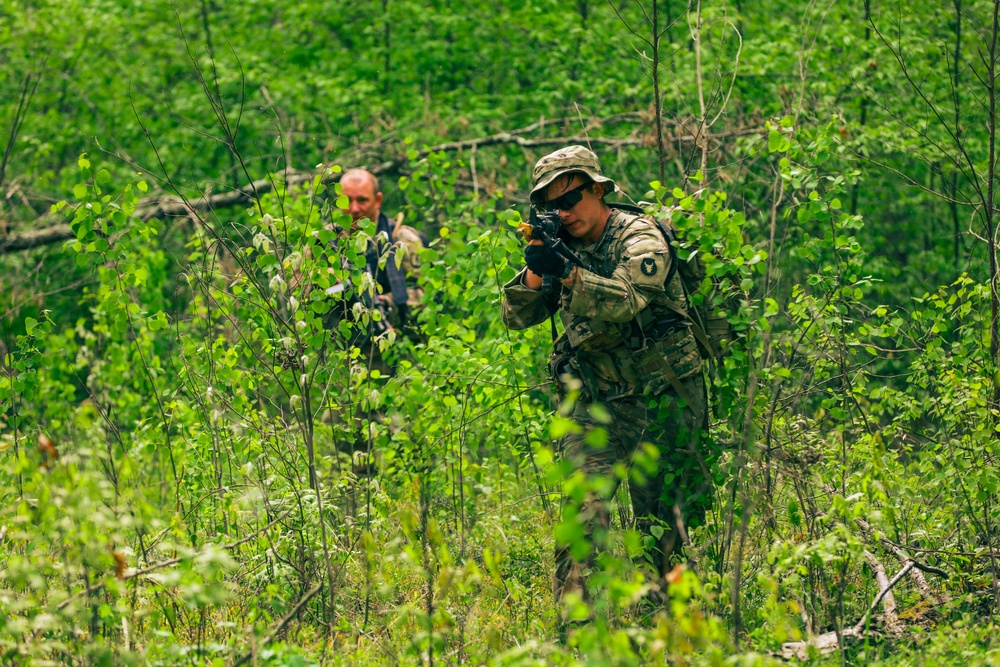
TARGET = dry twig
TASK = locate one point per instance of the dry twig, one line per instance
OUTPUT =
(133, 573)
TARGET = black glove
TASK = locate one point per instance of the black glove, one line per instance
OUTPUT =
(546, 262)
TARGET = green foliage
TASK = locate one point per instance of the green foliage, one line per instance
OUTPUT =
(207, 456)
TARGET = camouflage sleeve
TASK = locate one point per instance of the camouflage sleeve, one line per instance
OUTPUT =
(524, 307)
(638, 277)
(409, 244)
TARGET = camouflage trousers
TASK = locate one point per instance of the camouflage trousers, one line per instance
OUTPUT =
(671, 491)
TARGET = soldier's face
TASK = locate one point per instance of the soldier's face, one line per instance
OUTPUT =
(364, 201)
(584, 220)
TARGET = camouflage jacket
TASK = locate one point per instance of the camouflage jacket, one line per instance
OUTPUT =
(621, 328)
(408, 241)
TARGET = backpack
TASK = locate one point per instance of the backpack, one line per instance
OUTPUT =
(706, 313)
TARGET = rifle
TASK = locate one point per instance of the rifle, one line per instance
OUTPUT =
(546, 228)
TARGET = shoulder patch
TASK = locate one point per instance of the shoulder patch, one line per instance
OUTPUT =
(648, 271)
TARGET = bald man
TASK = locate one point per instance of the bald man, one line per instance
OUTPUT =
(398, 284)
(362, 191)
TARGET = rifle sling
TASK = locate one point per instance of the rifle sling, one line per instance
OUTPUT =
(678, 386)
(699, 332)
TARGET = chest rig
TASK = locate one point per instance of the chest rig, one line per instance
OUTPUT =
(647, 355)
(658, 319)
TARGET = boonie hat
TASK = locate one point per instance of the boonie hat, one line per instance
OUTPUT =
(563, 161)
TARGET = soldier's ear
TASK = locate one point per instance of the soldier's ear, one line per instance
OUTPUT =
(597, 189)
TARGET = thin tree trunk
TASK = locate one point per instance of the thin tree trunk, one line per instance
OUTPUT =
(656, 92)
(956, 232)
(703, 121)
(989, 209)
(864, 104)
(387, 46)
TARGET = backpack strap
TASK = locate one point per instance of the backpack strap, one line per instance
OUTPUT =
(688, 312)
(667, 232)
(696, 327)
(678, 386)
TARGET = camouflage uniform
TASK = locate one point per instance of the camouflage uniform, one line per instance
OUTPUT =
(399, 289)
(629, 349)
(396, 284)
(397, 295)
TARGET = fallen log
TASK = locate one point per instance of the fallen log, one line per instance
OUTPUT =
(889, 600)
(831, 641)
(49, 229)
(917, 573)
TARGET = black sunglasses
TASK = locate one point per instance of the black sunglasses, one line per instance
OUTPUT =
(565, 201)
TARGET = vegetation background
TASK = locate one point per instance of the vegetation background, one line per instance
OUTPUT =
(191, 467)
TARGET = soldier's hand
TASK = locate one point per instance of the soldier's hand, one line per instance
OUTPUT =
(545, 261)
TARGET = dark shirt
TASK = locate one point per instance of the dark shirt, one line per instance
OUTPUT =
(390, 277)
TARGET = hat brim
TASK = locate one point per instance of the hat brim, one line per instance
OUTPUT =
(536, 192)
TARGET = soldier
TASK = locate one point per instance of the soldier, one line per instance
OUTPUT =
(627, 346)
(400, 294)
(397, 298)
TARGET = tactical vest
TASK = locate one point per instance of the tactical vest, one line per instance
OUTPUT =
(649, 354)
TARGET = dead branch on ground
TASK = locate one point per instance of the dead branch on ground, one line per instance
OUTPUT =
(48, 229)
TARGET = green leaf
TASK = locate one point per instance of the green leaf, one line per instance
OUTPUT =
(79, 190)
(774, 140)
(561, 426)
(29, 324)
(597, 438)
(600, 413)
(157, 322)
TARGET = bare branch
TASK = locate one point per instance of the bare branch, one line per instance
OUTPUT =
(28, 89)
(49, 231)
(859, 626)
(889, 601)
(132, 574)
(956, 140)
(626, 24)
(911, 181)
(283, 623)
(732, 82)
(830, 641)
